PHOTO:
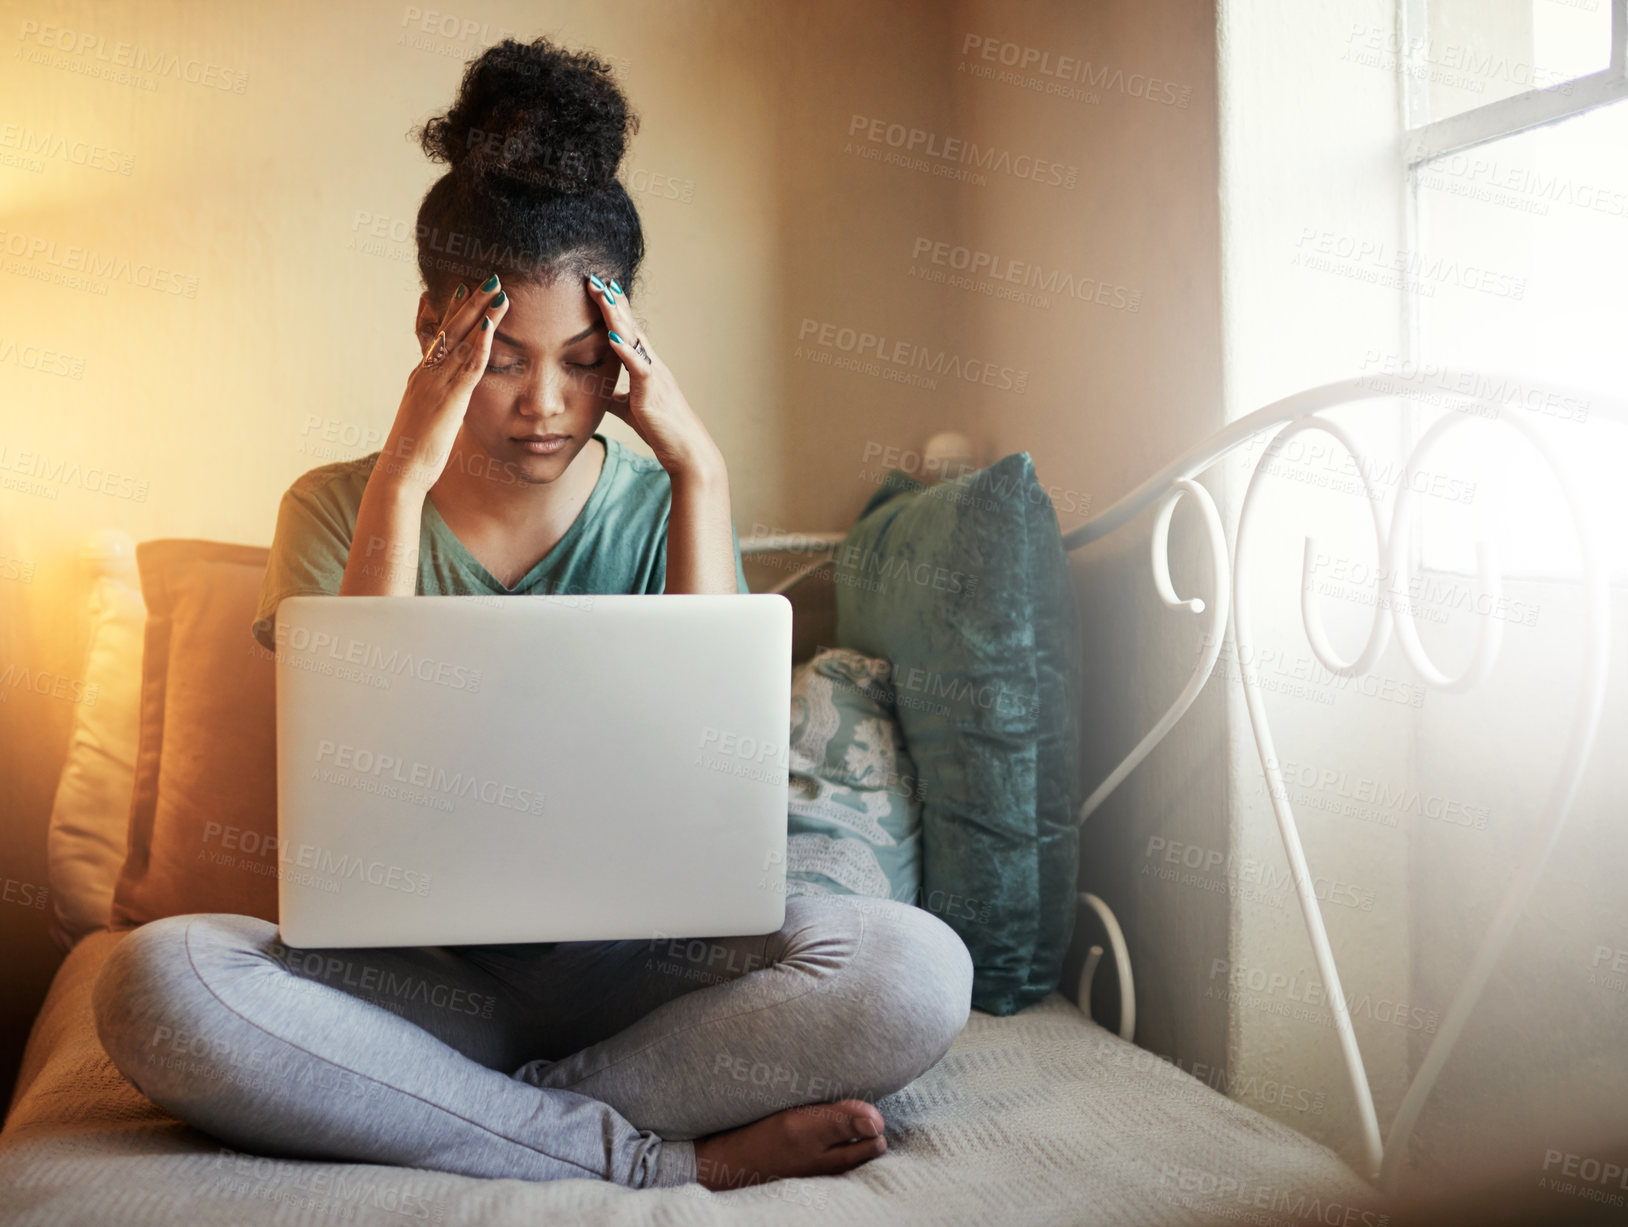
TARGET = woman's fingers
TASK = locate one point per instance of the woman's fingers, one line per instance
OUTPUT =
(477, 347)
(487, 299)
(623, 328)
(636, 363)
(469, 324)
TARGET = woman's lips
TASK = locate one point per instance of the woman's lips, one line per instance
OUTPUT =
(545, 445)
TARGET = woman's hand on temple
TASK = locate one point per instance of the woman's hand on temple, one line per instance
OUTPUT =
(437, 397)
(653, 405)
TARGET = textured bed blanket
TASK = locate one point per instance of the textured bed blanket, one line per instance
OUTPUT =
(1042, 1117)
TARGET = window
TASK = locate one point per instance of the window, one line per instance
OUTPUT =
(1517, 157)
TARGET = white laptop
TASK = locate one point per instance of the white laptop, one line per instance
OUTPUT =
(480, 770)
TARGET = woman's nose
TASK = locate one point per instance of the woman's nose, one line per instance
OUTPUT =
(544, 396)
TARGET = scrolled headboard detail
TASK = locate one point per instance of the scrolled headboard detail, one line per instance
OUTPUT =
(1229, 615)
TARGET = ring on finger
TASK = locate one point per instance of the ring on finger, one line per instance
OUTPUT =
(638, 347)
(438, 350)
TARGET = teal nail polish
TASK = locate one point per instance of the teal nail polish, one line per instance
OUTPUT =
(616, 287)
(610, 297)
(485, 323)
(616, 338)
(597, 283)
(502, 295)
(489, 284)
(458, 294)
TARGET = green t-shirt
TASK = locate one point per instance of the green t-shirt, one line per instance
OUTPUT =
(617, 543)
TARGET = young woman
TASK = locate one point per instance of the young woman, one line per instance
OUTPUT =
(723, 1060)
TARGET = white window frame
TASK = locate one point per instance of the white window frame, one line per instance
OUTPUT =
(1424, 142)
(1507, 116)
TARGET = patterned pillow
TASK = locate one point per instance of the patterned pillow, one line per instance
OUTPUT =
(854, 808)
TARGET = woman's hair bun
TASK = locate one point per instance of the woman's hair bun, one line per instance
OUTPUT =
(533, 116)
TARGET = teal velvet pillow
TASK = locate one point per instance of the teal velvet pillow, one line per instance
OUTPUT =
(964, 589)
(853, 805)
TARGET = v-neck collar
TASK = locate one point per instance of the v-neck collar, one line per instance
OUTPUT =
(590, 509)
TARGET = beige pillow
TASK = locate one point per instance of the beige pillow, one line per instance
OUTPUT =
(90, 815)
(203, 811)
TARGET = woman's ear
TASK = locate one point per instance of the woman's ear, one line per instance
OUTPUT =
(428, 323)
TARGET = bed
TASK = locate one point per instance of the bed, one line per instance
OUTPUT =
(1043, 1116)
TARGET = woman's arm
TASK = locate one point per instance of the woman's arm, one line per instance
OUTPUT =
(700, 541)
(383, 557)
(700, 528)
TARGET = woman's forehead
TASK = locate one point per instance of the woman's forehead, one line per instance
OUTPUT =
(547, 315)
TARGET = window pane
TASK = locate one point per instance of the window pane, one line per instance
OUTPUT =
(1478, 51)
(1523, 267)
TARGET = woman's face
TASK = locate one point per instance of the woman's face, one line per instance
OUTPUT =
(550, 373)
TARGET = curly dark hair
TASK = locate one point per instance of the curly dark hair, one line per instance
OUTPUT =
(534, 140)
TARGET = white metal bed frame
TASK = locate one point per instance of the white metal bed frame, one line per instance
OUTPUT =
(1291, 416)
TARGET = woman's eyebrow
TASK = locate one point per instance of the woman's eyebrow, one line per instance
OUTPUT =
(500, 335)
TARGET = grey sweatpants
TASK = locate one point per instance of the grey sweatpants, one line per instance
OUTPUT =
(571, 1059)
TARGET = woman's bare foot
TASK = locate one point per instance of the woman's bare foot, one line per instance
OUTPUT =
(818, 1139)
